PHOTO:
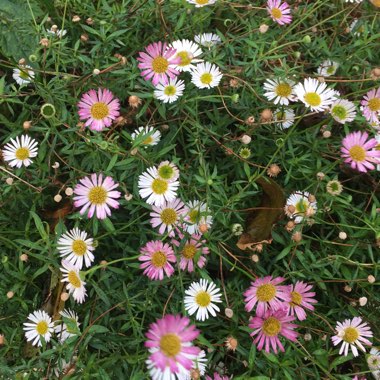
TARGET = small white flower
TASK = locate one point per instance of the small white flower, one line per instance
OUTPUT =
(198, 214)
(157, 374)
(302, 206)
(206, 75)
(327, 68)
(168, 171)
(148, 136)
(56, 32)
(23, 75)
(373, 360)
(18, 153)
(201, 297)
(155, 189)
(279, 90)
(64, 331)
(199, 364)
(75, 285)
(75, 245)
(355, 29)
(41, 326)
(207, 40)
(188, 51)
(284, 118)
(201, 3)
(343, 111)
(171, 91)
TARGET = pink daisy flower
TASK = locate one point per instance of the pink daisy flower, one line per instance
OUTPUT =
(96, 195)
(98, 109)
(167, 216)
(267, 293)
(156, 257)
(170, 343)
(371, 105)
(359, 152)
(158, 63)
(269, 326)
(216, 376)
(352, 333)
(301, 298)
(192, 251)
(279, 12)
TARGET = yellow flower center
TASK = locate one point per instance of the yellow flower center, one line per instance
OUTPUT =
(160, 65)
(194, 215)
(276, 13)
(374, 104)
(266, 292)
(99, 111)
(357, 153)
(168, 216)
(97, 195)
(148, 140)
(331, 69)
(24, 74)
(189, 251)
(377, 147)
(166, 172)
(170, 90)
(159, 186)
(185, 58)
(283, 89)
(313, 99)
(74, 280)
(203, 299)
(170, 345)
(339, 111)
(42, 327)
(79, 247)
(158, 259)
(22, 153)
(296, 299)
(271, 327)
(350, 334)
(301, 206)
(206, 78)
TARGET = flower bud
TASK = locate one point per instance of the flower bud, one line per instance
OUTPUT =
(10, 294)
(24, 257)
(27, 124)
(228, 312)
(134, 101)
(75, 18)
(58, 198)
(69, 191)
(245, 139)
(96, 72)
(9, 181)
(342, 235)
(65, 296)
(263, 28)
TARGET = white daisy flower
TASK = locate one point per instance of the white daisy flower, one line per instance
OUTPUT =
(315, 95)
(343, 111)
(327, 68)
(200, 298)
(284, 118)
(18, 153)
(206, 75)
(199, 367)
(279, 90)
(198, 214)
(157, 374)
(23, 75)
(354, 1)
(64, 330)
(75, 245)
(41, 326)
(168, 171)
(147, 136)
(201, 3)
(75, 285)
(54, 31)
(299, 206)
(355, 29)
(188, 51)
(155, 189)
(373, 361)
(207, 40)
(169, 92)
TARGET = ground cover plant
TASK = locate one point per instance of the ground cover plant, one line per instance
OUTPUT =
(189, 189)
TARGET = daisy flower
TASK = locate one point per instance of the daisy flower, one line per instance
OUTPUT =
(94, 194)
(315, 95)
(155, 189)
(300, 205)
(301, 298)
(355, 29)
(148, 136)
(158, 62)
(267, 293)
(198, 215)
(41, 326)
(216, 376)
(201, 298)
(359, 152)
(343, 111)
(75, 245)
(54, 31)
(279, 11)
(99, 109)
(169, 92)
(371, 105)
(334, 187)
(198, 369)
(353, 333)
(192, 252)
(156, 257)
(284, 118)
(23, 75)
(171, 349)
(269, 326)
(75, 285)
(67, 327)
(206, 75)
(280, 91)
(168, 171)
(18, 153)
(207, 40)
(373, 360)
(201, 3)
(187, 51)
(327, 68)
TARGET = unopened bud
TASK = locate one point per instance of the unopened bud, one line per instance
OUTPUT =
(228, 312)
(203, 228)
(245, 139)
(65, 296)
(371, 279)
(363, 301)
(89, 21)
(321, 175)
(58, 198)
(128, 196)
(255, 258)
(307, 337)
(24, 257)
(55, 165)
(10, 294)
(250, 120)
(9, 181)
(27, 124)
(22, 61)
(266, 115)
(342, 235)
(134, 101)
(84, 37)
(44, 42)
(96, 72)
(326, 134)
(297, 237)
(75, 18)
(347, 289)
(69, 191)
(263, 28)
